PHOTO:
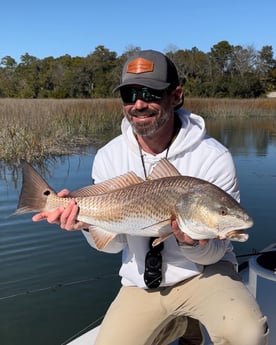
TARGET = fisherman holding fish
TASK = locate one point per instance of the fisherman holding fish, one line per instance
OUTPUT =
(171, 288)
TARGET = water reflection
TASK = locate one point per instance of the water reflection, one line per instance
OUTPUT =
(244, 136)
(253, 145)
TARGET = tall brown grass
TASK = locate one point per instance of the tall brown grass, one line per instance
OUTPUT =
(36, 129)
(226, 107)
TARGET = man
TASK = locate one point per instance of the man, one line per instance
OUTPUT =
(199, 280)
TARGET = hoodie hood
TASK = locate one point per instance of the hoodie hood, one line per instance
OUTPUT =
(190, 135)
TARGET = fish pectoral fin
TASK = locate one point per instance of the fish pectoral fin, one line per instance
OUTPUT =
(101, 237)
(161, 231)
(161, 239)
(161, 228)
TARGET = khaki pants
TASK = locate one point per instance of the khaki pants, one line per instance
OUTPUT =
(217, 298)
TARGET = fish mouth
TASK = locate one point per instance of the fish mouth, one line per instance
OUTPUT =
(237, 235)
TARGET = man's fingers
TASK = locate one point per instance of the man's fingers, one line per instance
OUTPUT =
(68, 218)
(39, 216)
(63, 193)
(51, 217)
(65, 217)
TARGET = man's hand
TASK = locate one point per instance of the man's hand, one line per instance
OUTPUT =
(184, 238)
(65, 217)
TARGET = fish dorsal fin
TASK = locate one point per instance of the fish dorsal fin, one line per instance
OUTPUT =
(163, 169)
(118, 182)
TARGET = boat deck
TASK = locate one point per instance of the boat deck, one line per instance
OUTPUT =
(260, 278)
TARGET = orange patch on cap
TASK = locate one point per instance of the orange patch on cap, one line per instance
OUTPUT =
(140, 65)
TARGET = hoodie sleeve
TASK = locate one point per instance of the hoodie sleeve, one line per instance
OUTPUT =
(222, 173)
(213, 252)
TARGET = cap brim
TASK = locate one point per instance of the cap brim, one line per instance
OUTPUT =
(153, 84)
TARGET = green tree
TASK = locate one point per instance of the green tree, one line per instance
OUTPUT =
(46, 79)
(27, 77)
(225, 71)
(249, 86)
(266, 67)
(8, 62)
(7, 70)
(78, 80)
(102, 62)
(220, 55)
(243, 60)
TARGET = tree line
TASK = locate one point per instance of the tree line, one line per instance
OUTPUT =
(224, 71)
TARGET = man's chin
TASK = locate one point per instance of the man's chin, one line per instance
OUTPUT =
(144, 131)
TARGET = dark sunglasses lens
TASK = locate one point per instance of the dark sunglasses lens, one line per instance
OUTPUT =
(130, 95)
(149, 95)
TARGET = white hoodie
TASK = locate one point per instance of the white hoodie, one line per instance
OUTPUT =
(193, 153)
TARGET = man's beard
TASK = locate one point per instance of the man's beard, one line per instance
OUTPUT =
(144, 128)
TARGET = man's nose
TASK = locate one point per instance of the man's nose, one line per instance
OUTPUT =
(140, 104)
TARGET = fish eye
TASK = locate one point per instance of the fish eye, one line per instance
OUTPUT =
(223, 211)
(47, 192)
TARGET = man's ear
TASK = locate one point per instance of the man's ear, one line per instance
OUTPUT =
(178, 97)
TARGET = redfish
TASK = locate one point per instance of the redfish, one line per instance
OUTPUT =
(127, 204)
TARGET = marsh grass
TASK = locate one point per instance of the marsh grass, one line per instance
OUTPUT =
(217, 108)
(41, 128)
(36, 129)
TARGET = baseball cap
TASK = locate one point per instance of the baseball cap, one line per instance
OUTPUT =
(149, 68)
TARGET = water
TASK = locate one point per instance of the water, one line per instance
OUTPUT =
(253, 146)
(52, 284)
(50, 279)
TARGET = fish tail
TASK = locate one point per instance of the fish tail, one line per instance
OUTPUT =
(34, 191)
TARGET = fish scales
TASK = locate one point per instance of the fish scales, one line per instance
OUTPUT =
(143, 197)
(137, 206)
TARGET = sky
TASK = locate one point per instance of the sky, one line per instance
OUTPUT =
(76, 27)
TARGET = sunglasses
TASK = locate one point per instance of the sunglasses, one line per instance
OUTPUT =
(131, 94)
